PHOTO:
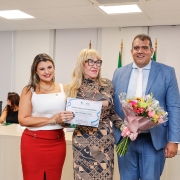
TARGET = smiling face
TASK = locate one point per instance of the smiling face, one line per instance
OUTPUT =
(91, 71)
(141, 52)
(45, 71)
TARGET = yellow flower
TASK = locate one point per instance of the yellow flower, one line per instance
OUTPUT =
(141, 99)
(155, 118)
(142, 104)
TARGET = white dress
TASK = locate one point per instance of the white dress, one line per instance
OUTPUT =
(47, 105)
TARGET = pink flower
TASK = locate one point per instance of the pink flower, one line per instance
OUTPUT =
(160, 120)
(133, 102)
(125, 131)
(141, 110)
(151, 113)
(133, 136)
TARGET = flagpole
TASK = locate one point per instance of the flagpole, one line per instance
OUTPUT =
(90, 44)
(121, 48)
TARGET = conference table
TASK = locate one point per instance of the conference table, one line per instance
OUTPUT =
(10, 161)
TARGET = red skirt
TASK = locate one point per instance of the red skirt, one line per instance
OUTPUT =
(42, 154)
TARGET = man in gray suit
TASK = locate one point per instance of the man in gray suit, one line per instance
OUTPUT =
(146, 155)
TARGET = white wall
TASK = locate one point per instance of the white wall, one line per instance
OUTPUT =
(111, 40)
(106, 40)
(6, 69)
(168, 50)
(69, 43)
(64, 46)
(27, 44)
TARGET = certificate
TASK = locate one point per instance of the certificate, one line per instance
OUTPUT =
(86, 112)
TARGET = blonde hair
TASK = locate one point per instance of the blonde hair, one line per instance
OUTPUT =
(78, 73)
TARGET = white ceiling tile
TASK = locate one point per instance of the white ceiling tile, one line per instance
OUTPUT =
(77, 11)
(45, 12)
(165, 16)
(4, 7)
(23, 4)
(32, 23)
(70, 3)
(160, 6)
(63, 20)
(130, 17)
(52, 14)
(45, 3)
(9, 25)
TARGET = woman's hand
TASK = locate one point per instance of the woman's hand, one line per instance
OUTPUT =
(66, 115)
(61, 117)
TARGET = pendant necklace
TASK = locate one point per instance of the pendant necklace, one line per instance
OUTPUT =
(48, 89)
(85, 97)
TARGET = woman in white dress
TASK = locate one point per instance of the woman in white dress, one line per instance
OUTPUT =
(41, 109)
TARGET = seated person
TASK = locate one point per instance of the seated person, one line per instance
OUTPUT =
(10, 112)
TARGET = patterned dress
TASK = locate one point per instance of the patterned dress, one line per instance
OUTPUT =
(93, 148)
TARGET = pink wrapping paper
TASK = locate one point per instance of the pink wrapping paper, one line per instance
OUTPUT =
(135, 123)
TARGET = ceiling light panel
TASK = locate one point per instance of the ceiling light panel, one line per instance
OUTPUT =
(14, 14)
(120, 9)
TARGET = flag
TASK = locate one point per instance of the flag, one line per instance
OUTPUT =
(155, 51)
(154, 56)
(119, 61)
(120, 55)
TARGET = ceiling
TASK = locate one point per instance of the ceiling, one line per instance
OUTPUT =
(64, 14)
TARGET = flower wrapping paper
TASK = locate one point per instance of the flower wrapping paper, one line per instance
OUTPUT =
(134, 122)
(141, 113)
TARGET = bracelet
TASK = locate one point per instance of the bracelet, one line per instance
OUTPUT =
(55, 122)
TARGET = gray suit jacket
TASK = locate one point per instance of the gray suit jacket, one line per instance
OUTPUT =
(163, 84)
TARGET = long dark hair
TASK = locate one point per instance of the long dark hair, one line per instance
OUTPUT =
(34, 79)
(14, 99)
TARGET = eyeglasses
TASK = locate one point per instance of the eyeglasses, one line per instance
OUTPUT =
(91, 62)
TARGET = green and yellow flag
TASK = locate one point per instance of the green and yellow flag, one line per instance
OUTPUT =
(119, 60)
(120, 55)
(154, 56)
(155, 51)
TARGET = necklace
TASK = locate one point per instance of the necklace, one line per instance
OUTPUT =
(85, 97)
(48, 89)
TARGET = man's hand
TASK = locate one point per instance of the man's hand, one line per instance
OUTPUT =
(171, 149)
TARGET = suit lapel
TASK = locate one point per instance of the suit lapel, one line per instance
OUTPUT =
(152, 75)
(125, 77)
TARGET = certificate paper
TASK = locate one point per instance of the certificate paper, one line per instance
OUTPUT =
(86, 112)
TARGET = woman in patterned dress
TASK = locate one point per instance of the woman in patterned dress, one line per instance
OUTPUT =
(93, 148)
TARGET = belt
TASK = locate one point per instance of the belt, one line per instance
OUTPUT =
(144, 134)
(45, 134)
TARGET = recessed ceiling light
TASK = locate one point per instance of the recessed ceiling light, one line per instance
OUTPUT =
(14, 14)
(120, 9)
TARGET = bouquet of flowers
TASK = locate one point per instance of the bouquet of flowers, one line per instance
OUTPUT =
(140, 114)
